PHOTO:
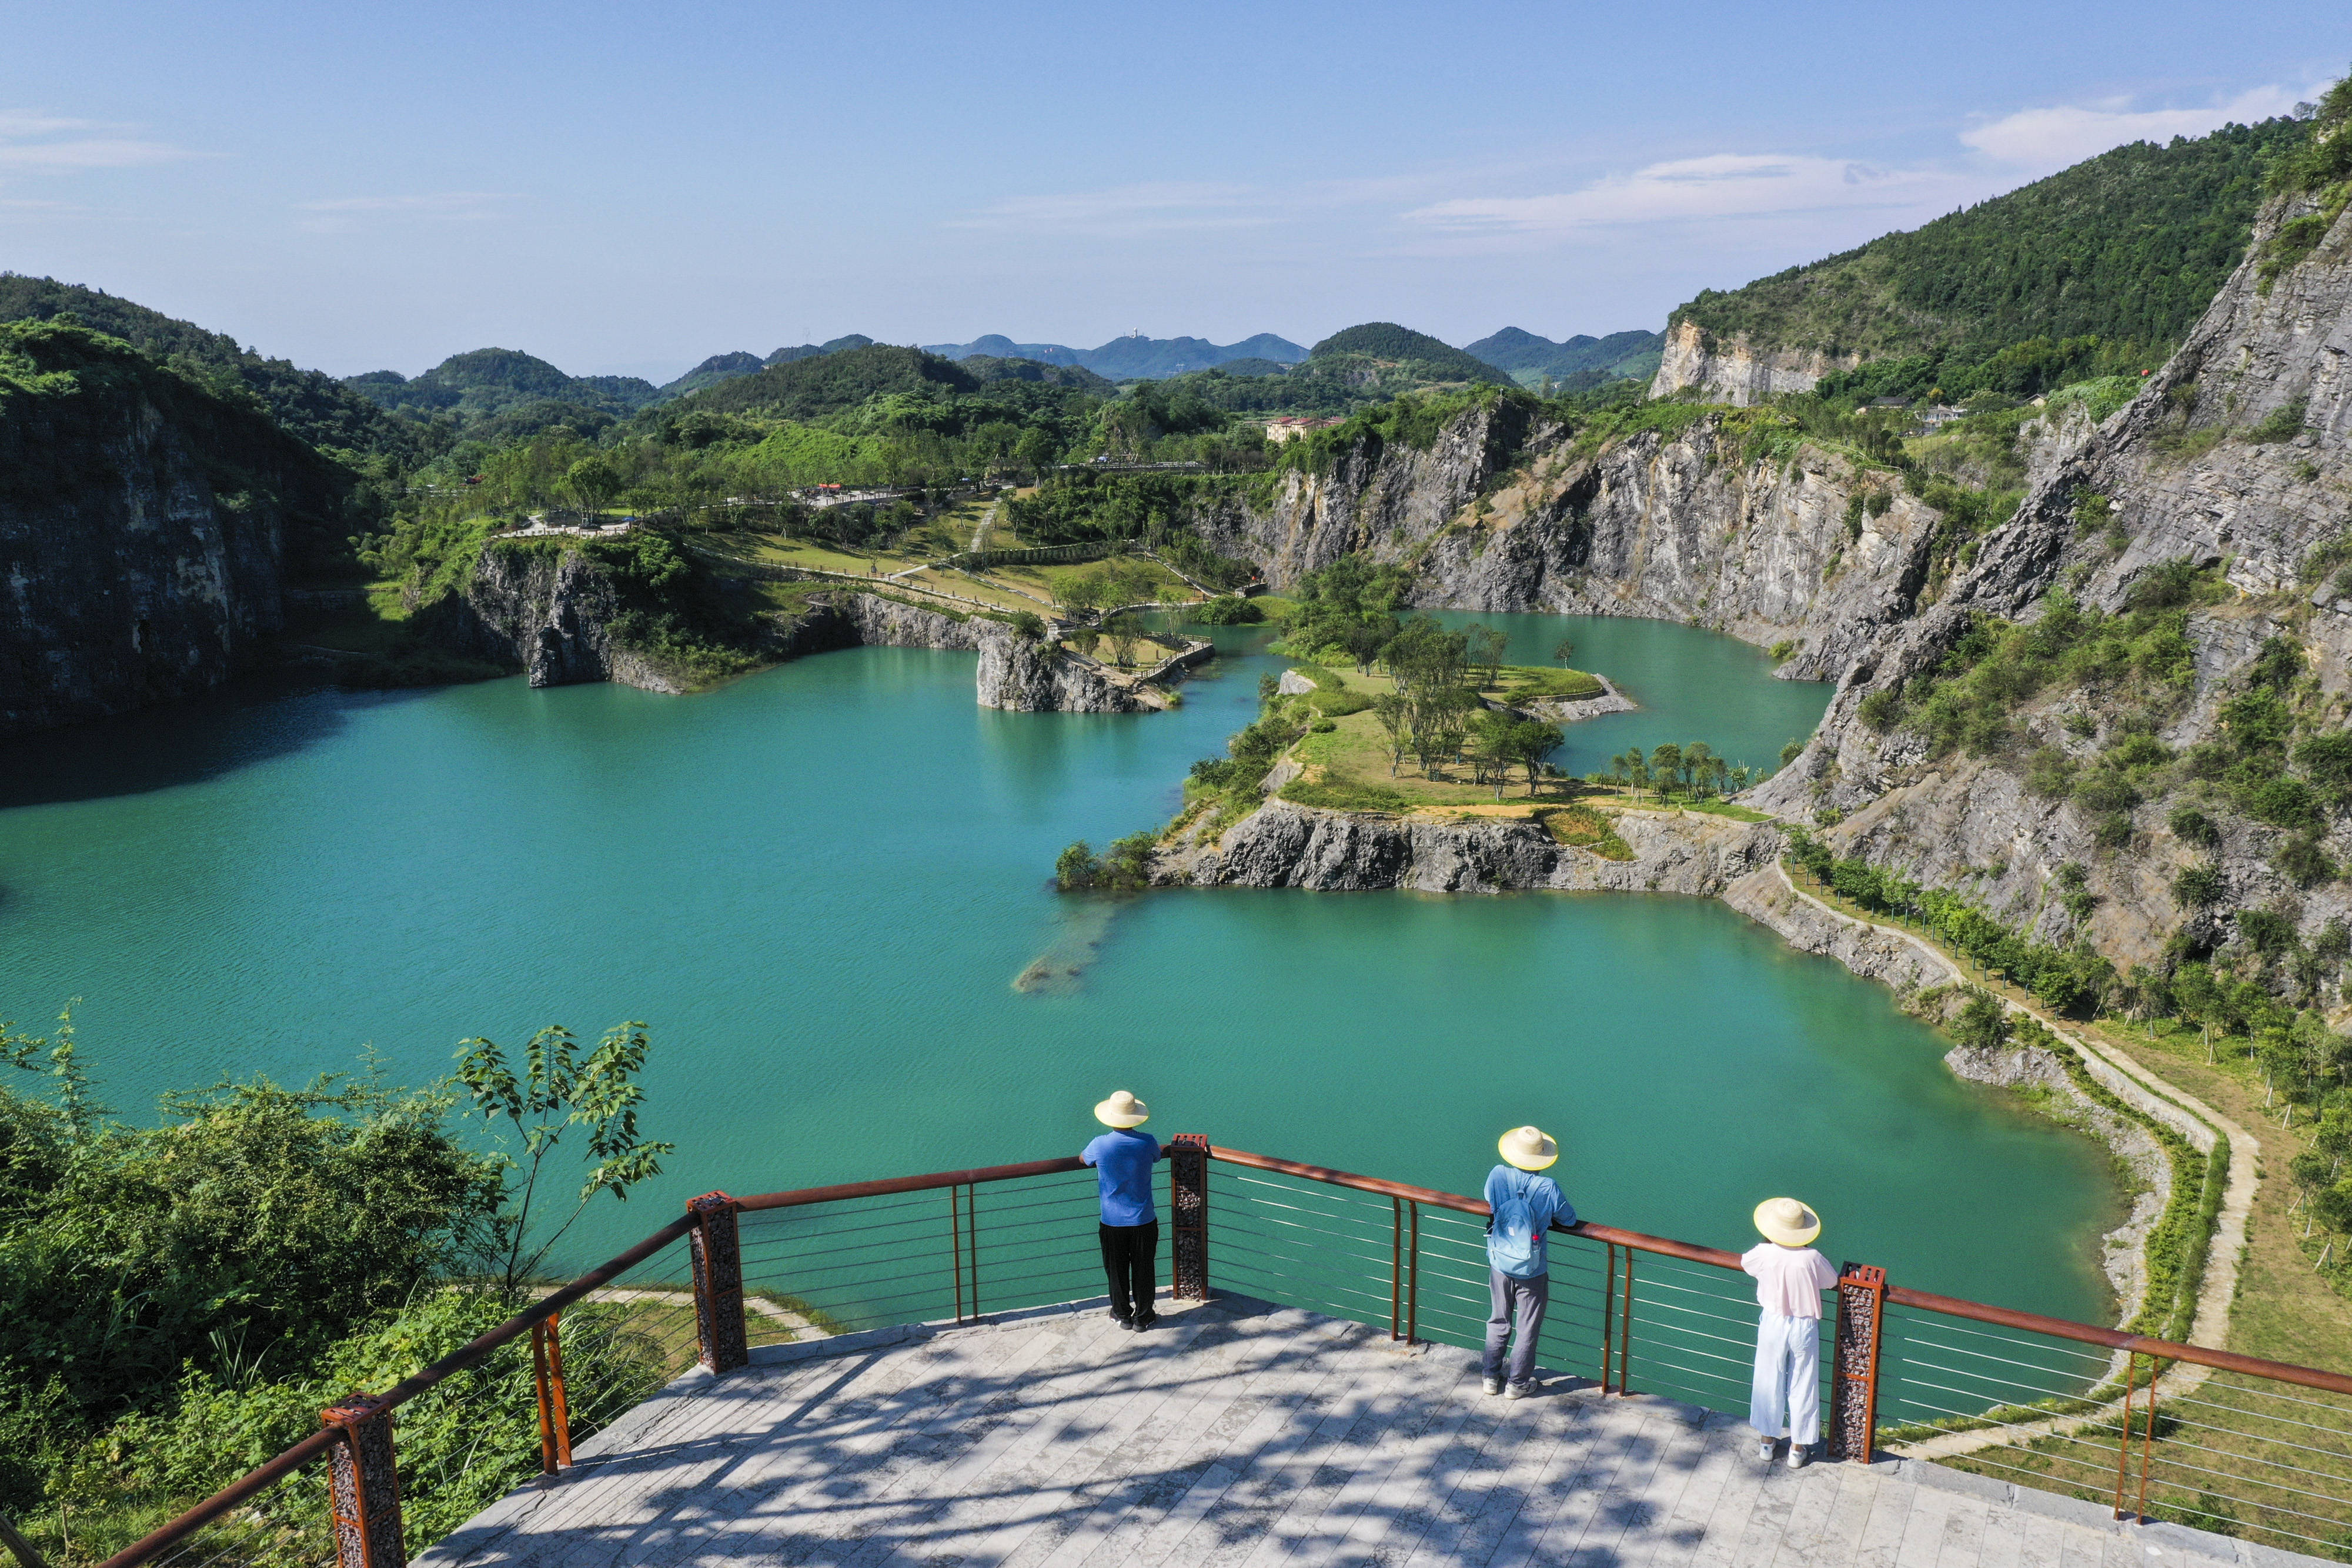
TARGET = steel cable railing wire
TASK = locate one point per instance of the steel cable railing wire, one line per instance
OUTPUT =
(2228, 1442)
(2252, 1460)
(285, 1525)
(2039, 1374)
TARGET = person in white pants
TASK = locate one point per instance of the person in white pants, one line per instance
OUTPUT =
(1786, 1401)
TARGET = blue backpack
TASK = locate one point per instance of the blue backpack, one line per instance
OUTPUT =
(1511, 1231)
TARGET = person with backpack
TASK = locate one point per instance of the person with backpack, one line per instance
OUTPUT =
(1786, 1399)
(1522, 1205)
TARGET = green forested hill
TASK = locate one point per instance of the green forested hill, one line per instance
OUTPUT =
(1523, 354)
(828, 383)
(1385, 342)
(484, 382)
(308, 404)
(2128, 248)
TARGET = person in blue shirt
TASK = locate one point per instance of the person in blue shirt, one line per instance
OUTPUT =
(1123, 1159)
(1522, 1206)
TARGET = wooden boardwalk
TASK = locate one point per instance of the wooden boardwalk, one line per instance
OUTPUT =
(1236, 1435)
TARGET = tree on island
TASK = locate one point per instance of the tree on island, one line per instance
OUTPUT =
(1125, 632)
(1395, 719)
(1484, 649)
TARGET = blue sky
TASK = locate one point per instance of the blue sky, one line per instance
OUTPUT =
(623, 188)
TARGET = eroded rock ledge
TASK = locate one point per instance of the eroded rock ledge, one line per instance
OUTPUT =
(1286, 845)
(552, 614)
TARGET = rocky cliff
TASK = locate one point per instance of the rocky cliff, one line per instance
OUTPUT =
(1285, 845)
(1730, 371)
(144, 527)
(549, 612)
(1695, 519)
(1016, 673)
(2236, 458)
(552, 611)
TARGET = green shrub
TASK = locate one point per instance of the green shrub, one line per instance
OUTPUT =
(1076, 867)
(1883, 708)
(2193, 826)
(1226, 611)
(2195, 886)
(2302, 859)
(2283, 422)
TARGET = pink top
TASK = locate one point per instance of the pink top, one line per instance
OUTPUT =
(1789, 1280)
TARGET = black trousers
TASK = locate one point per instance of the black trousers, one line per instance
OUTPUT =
(1131, 1261)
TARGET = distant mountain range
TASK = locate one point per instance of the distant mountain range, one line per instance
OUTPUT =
(1131, 356)
(521, 390)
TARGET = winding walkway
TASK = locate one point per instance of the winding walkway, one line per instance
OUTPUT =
(2168, 1102)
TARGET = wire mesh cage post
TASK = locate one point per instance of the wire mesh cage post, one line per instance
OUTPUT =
(364, 1485)
(717, 1281)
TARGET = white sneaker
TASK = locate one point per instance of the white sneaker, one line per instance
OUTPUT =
(1764, 1450)
(1493, 1386)
(1798, 1455)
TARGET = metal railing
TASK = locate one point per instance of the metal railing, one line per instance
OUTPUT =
(2152, 1428)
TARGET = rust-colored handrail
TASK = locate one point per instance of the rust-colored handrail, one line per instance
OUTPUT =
(407, 1388)
(1950, 1306)
(2116, 1339)
(803, 1196)
(310, 1447)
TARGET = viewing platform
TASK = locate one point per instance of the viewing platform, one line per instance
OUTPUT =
(916, 1370)
(1242, 1433)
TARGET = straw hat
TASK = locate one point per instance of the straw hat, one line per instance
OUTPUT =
(1787, 1222)
(1528, 1148)
(1122, 1110)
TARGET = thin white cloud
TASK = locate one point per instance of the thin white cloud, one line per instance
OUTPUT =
(88, 152)
(15, 122)
(35, 141)
(2068, 133)
(1742, 185)
(1129, 210)
(1723, 185)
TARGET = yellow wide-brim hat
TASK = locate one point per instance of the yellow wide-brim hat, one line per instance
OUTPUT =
(1528, 1148)
(1122, 1110)
(1787, 1222)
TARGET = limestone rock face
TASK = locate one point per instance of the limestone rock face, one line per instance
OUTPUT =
(1015, 674)
(1029, 677)
(130, 573)
(1685, 528)
(1765, 897)
(1728, 370)
(1286, 845)
(550, 613)
(1382, 498)
(2237, 454)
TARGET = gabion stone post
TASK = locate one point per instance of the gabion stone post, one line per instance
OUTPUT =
(364, 1486)
(1854, 1362)
(717, 1281)
(1187, 1182)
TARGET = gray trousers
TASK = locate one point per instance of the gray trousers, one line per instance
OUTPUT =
(1517, 1304)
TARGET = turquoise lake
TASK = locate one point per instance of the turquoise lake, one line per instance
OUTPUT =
(818, 885)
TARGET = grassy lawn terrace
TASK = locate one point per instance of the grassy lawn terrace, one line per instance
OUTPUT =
(1347, 766)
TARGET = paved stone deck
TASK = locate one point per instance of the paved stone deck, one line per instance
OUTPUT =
(1239, 1435)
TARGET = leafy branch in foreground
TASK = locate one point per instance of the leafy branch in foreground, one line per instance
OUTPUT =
(554, 1093)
